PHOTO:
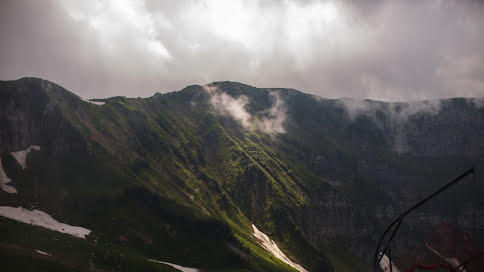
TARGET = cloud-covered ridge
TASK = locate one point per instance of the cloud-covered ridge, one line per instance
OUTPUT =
(397, 110)
(276, 115)
(270, 121)
(398, 113)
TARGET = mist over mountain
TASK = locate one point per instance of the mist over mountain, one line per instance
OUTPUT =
(187, 177)
(241, 135)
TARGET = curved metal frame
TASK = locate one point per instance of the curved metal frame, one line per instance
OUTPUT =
(395, 225)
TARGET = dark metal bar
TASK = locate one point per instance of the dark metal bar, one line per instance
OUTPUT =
(399, 220)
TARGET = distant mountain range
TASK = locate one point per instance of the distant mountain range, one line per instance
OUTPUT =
(184, 177)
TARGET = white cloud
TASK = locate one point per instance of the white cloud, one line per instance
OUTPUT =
(270, 121)
(118, 23)
(275, 117)
(225, 104)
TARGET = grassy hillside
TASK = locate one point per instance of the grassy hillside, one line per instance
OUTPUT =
(174, 177)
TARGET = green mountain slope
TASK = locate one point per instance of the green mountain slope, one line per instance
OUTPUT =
(181, 176)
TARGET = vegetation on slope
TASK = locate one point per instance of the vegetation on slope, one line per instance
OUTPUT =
(169, 178)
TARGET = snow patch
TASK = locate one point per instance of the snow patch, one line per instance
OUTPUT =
(272, 247)
(179, 267)
(21, 156)
(385, 264)
(100, 103)
(4, 180)
(453, 261)
(43, 253)
(41, 219)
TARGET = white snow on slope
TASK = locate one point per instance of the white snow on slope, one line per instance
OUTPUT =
(272, 247)
(385, 264)
(100, 103)
(179, 267)
(41, 219)
(21, 156)
(4, 180)
(453, 261)
(43, 252)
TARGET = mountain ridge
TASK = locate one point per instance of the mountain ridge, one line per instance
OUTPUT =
(241, 84)
(217, 158)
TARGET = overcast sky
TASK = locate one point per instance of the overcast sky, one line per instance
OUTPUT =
(385, 50)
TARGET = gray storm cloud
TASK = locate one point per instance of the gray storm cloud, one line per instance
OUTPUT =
(382, 50)
(270, 121)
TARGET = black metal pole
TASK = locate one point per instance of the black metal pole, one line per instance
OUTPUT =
(377, 256)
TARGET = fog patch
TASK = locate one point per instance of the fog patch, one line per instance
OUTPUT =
(478, 102)
(406, 110)
(401, 111)
(397, 115)
(270, 121)
(355, 107)
(276, 115)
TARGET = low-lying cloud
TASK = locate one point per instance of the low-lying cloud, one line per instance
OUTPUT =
(225, 104)
(478, 102)
(276, 115)
(398, 111)
(397, 115)
(270, 121)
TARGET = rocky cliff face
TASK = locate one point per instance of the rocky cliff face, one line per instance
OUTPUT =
(29, 115)
(394, 155)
